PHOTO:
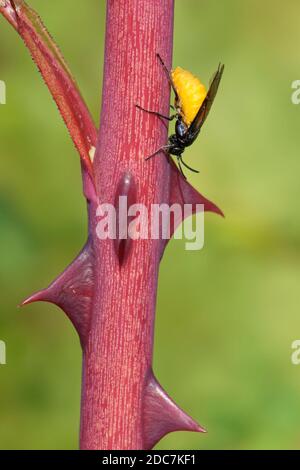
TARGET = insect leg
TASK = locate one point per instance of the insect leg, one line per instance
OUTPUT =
(169, 77)
(187, 166)
(169, 118)
(164, 149)
(180, 167)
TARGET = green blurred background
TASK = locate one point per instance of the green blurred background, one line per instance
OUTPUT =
(227, 315)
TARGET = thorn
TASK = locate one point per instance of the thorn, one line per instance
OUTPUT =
(72, 291)
(162, 415)
(182, 192)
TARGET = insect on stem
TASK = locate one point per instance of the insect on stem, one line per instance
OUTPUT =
(192, 106)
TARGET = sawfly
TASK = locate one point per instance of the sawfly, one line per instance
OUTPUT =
(192, 105)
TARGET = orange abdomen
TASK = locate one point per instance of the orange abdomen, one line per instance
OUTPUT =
(191, 93)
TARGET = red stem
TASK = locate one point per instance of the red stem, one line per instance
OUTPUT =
(118, 354)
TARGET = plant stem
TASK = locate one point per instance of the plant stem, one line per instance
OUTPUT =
(118, 354)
